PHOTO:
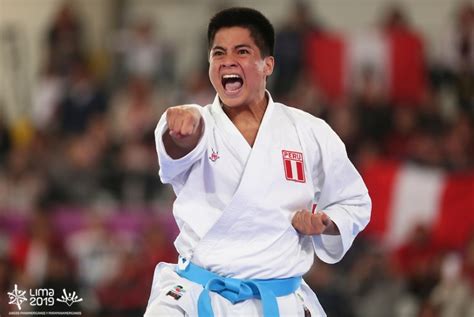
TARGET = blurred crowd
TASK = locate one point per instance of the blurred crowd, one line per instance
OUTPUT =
(88, 148)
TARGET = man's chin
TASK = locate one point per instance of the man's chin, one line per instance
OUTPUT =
(231, 100)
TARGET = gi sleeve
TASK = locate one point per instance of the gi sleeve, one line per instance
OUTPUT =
(344, 198)
(173, 170)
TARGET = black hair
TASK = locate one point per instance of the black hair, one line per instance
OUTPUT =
(260, 28)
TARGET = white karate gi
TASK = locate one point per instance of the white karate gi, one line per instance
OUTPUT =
(235, 203)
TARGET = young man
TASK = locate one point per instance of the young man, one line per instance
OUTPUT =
(260, 188)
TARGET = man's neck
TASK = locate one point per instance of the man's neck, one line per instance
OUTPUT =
(253, 112)
(247, 119)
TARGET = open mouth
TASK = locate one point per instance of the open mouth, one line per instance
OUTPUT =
(232, 83)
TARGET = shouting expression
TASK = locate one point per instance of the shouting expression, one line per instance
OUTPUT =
(237, 69)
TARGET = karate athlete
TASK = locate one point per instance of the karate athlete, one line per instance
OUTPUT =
(247, 172)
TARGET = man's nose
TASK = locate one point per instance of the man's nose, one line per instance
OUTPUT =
(228, 61)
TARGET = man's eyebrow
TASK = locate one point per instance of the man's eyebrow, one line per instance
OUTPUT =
(217, 48)
(243, 46)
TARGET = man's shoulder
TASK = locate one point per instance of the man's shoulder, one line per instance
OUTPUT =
(301, 117)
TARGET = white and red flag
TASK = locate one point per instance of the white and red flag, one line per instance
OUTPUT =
(294, 166)
(338, 63)
(407, 195)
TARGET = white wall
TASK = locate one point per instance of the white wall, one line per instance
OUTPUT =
(184, 21)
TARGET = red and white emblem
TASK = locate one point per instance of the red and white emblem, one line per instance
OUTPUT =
(214, 156)
(294, 166)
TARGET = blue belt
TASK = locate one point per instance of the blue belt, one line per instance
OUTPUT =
(237, 290)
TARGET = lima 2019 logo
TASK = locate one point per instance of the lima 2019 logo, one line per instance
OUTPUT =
(41, 297)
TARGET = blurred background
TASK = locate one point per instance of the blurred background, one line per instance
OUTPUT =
(84, 82)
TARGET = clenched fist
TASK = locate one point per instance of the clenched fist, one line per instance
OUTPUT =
(311, 224)
(184, 130)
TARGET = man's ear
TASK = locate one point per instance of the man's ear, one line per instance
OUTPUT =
(269, 64)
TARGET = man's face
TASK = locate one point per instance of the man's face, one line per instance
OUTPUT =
(237, 69)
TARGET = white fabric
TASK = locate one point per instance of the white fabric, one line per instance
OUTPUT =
(416, 197)
(234, 212)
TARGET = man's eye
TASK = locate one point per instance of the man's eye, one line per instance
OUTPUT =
(217, 53)
(243, 51)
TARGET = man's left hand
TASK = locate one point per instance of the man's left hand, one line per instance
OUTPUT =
(311, 224)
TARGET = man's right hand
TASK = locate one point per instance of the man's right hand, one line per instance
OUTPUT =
(184, 130)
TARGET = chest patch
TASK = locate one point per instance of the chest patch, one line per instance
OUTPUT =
(294, 166)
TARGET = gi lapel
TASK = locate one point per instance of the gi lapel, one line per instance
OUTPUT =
(252, 181)
(238, 146)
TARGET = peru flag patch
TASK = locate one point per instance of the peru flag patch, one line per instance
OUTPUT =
(294, 166)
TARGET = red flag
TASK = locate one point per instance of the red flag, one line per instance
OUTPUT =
(455, 222)
(407, 80)
(326, 60)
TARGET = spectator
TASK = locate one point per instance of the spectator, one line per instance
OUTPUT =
(64, 39)
(83, 99)
(5, 139)
(407, 72)
(135, 182)
(47, 96)
(468, 261)
(373, 288)
(290, 48)
(30, 252)
(452, 296)
(323, 280)
(341, 119)
(22, 182)
(197, 89)
(404, 122)
(455, 64)
(95, 251)
(156, 247)
(82, 162)
(133, 111)
(465, 76)
(373, 111)
(59, 275)
(6, 280)
(142, 54)
(458, 144)
(416, 262)
(125, 295)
